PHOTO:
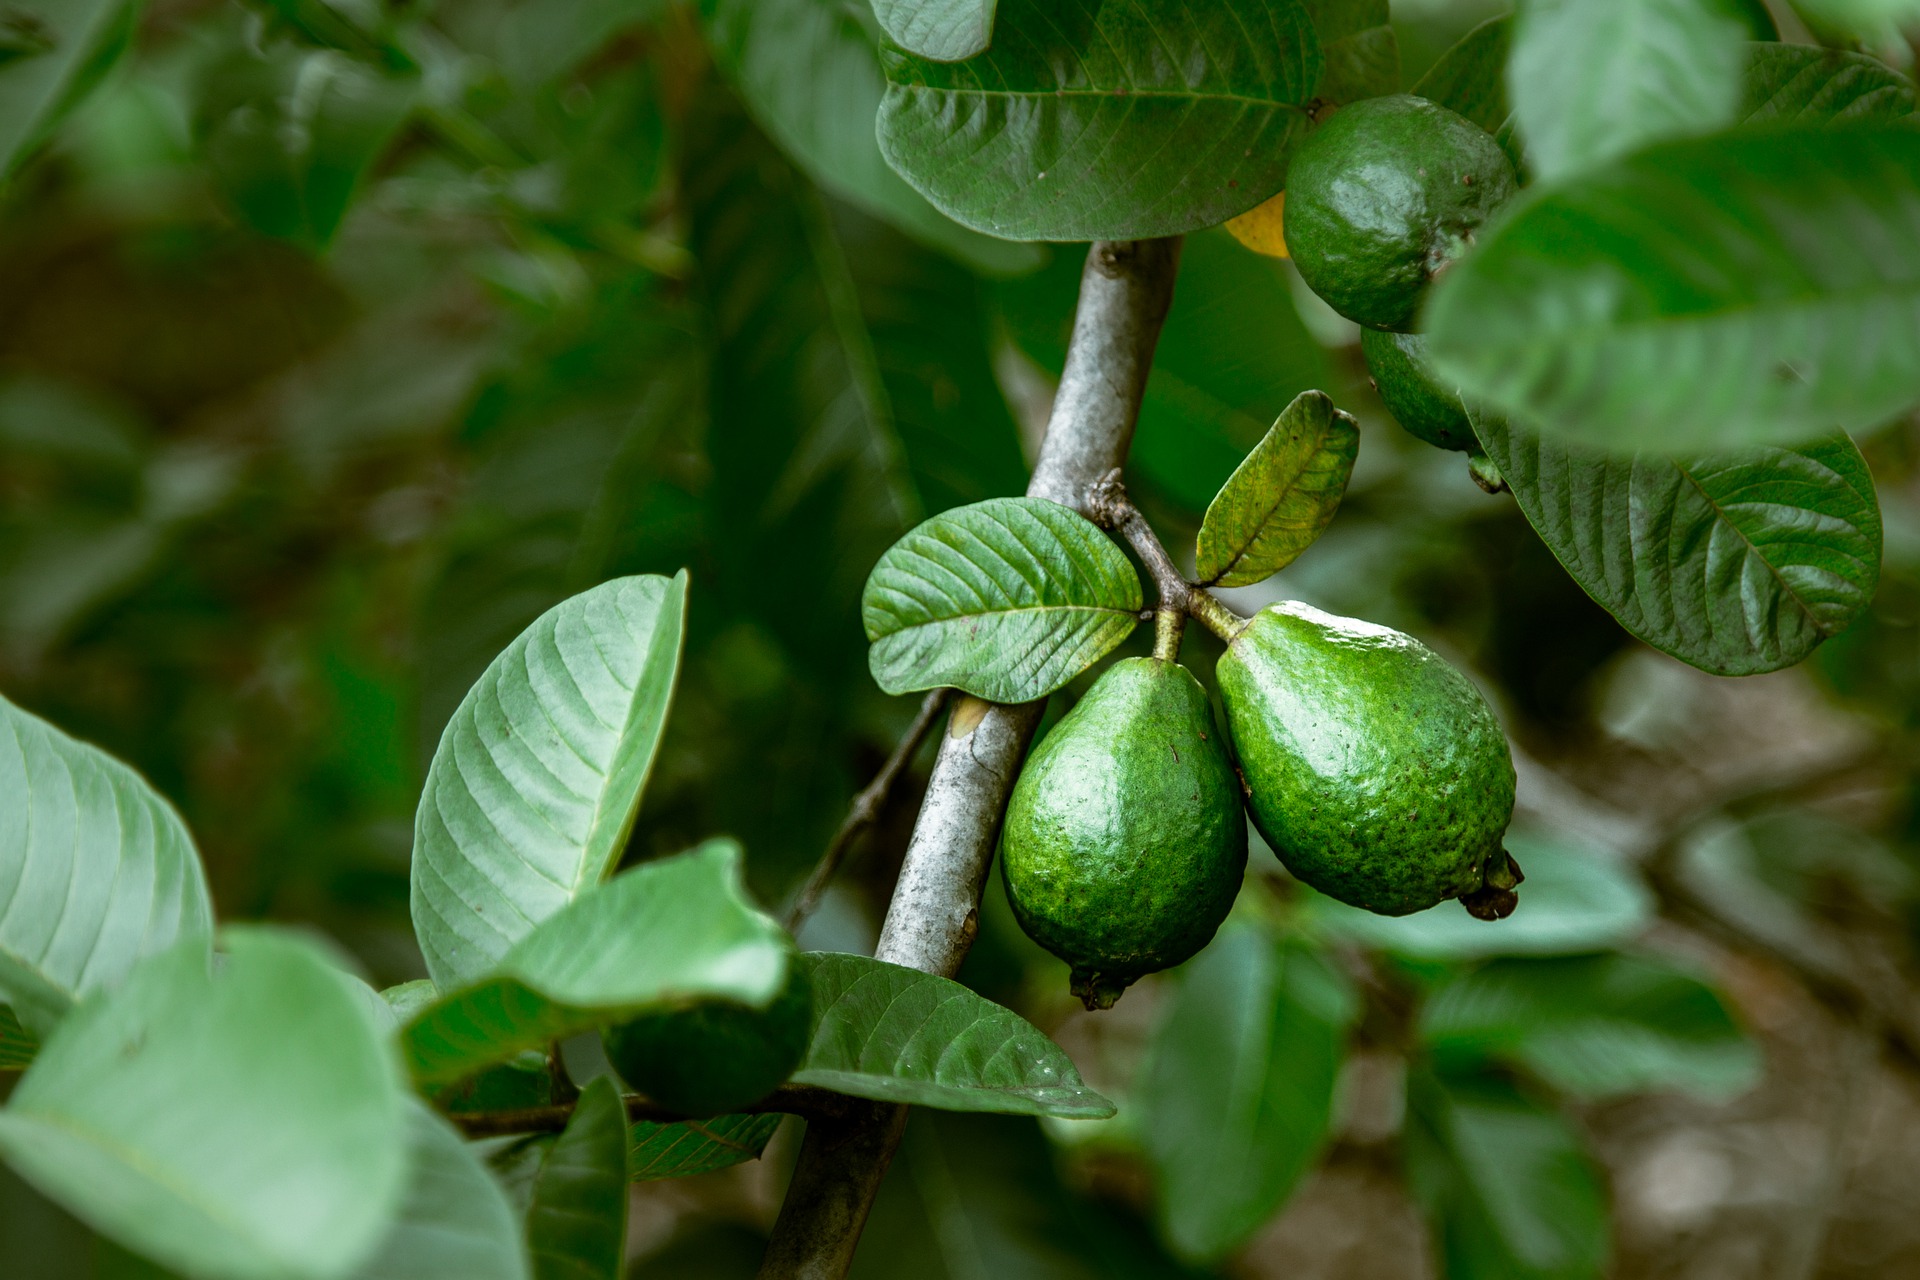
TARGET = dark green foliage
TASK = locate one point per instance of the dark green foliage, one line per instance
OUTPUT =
(714, 1057)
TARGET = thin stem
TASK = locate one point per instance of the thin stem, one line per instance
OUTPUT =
(1109, 506)
(799, 1100)
(1214, 616)
(865, 809)
(1169, 625)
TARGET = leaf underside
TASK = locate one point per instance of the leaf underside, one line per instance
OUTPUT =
(455, 1223)
(942, 30)
(1280, 500)
(1738, 563)
(1006, 599)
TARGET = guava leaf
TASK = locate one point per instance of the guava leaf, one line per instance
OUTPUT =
(577, 1223)
(1360, 53)
(1575, 900)
(1470, 78)
(1509, 1185)
(940, 30)
(664, 932)
(1280, 500)
(288, 136)
(534, 787)
(1089, 121)
(17, 1044)
(1237, 1096)
(183, 1112)
(455, 1222)
(1594, 79)
(894, 1034)
(1738, 562)
(810, 74)
(698, 1146)
(1594, 1026)
(97, 869)
(1007, 599)
(1749, 288)
(52, 55)
(1800, 84)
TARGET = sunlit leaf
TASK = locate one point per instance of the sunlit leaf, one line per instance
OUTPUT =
(183, 1113)
(1595, 1026)
(1007, 599)
(577, 1223)
(1095, 121)
(1737, 563)
(537, 779)
(895, 1034)
(455, 1222)
(1282, 497)
(1509, 1185)
(1750, 288)
(99, 870)
(1594, 79)
(52, 55)
(1238, 1094)
(698, 1146)
(663, 933)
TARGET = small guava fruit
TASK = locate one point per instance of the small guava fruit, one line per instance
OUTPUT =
(1424, 406)
(1124, 841)
(715, 1056)
(1382, 196)
(1375, 770)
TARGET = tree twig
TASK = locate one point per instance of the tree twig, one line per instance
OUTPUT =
(1125, 290)
(798, 1100)
(865, 809)
(1109, 507)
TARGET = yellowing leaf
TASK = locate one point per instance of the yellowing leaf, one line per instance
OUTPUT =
(1262, 228)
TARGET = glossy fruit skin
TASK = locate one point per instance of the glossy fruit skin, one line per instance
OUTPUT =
(1375, 770)
(1382, 196)
(1415, 398)
(714, 1057)
(1124, 841)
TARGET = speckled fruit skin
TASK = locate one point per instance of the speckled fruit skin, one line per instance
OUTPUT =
(1384, 194)
(716, 1057)
(1427, 410)
(1124, 841)
(1377, 772)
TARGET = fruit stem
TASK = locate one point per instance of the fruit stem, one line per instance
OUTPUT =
(1213, 615)
(1169, 625)
(1110, 508)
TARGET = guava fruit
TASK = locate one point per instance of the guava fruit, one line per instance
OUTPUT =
(1375, 770)
(1382, 196)
(1124, 841)
(715, 1056)
(1424, 406)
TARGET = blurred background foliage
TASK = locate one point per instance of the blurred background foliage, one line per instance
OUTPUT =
(340, 338)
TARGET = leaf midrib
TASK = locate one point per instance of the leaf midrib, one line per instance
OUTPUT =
(1720, 514)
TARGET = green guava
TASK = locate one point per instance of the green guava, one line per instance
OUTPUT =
(1382, 196)
(1124, 841)
(1423, 405)
(716, 1056)
(1375, 770)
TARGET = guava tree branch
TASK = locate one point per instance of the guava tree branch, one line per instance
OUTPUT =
(1125, 290)
(1109, 507)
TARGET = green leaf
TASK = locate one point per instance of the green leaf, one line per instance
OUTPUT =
(99, 869)
(1090, 121)
(17, 1044)
(698, 1146)
(662, 933)
(1359, 51)
(1575, 900)
(1595, 1026)
(942, 30)
(809, 72)
(577, 1223)
(1866, 19)
(455, 1222)
(1594, 79)
(894, 1034)
(534, 787)
(1510, 1186)
(1737, 563)
(1800, 84)
(237, 1124)
(288, 136)
(1470, 78)
(1282, 497)
(1238, 1092)
(1745, 288)
(53, 53)
(1007, 599)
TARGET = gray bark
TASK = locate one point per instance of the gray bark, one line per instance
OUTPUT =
(1125, 290)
